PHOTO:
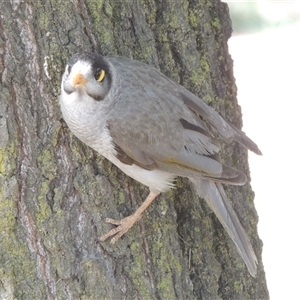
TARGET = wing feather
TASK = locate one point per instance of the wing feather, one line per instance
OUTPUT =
(228, 132)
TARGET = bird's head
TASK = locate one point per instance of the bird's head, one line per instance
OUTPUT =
(87, 73)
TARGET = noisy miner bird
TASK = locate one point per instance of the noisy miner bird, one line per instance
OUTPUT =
(153, 129)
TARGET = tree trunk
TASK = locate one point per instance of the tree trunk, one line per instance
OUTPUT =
(56, 192)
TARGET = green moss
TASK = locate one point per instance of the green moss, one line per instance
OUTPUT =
(96, 5)
(7, 161)
(101, 22)
(7, 215)
(43, 20)
(193, 19)
(15, 263)
(2, 160)
(11, 250)
(238, 286)
(204, 64)
(44, 211)
(141, 283)
(15, 258)
(168, 264)
(46, 163)
(101, 13)
(209, 98)
(216, 23)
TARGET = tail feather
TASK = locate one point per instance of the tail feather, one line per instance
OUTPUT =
(217, 200)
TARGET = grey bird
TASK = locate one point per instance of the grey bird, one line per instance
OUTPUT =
(154, 130)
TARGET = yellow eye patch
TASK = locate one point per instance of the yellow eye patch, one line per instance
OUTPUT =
(99, 76)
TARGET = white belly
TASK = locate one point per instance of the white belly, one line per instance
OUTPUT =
(156, 180)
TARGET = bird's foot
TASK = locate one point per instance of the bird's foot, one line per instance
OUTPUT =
(123, 226)
(126, 223)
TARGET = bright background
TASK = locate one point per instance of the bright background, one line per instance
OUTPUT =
(267, 72)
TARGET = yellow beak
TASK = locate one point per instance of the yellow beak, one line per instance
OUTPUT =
(79, 79)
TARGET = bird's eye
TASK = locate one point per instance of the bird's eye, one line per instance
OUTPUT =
(99, 75)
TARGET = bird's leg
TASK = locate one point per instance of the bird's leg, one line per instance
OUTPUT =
(126, 223)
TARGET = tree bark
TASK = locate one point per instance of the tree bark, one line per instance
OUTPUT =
(56, 192)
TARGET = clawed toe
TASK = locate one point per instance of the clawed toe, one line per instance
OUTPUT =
(123, 226)
(113, 221)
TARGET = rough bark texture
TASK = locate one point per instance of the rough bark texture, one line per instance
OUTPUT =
(55, 192)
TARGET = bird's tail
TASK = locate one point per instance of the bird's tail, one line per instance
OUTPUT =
(217, 200)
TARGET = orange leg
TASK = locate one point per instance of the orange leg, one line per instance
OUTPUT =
(126, 223)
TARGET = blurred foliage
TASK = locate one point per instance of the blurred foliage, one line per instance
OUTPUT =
(256, 16)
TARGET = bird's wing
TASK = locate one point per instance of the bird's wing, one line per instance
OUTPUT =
(227, 131)
(153, 125)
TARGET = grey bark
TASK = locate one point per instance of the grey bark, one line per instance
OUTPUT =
(55, 192)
